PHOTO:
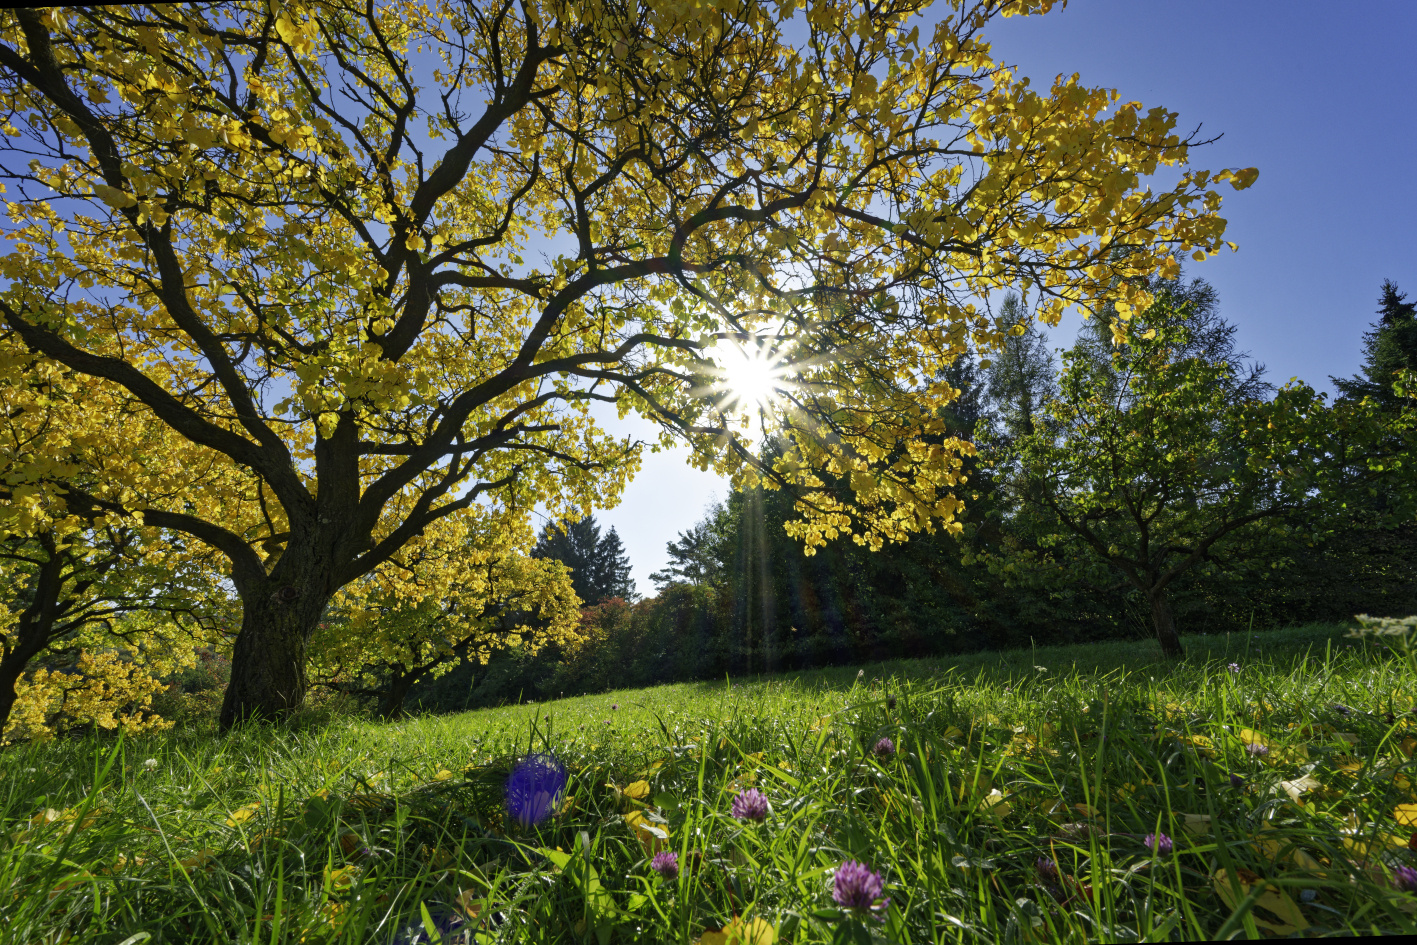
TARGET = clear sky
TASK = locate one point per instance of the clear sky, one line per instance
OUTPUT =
(1320, 96)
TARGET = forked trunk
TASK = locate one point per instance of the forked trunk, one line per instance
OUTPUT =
(268, 680)
(1165, 623)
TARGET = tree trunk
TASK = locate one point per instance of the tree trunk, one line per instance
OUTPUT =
(10, 671)
(1165, 623)
(33, 629)
(395, 694)
(268, 680)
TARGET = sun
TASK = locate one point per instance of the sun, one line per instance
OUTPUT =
(751, 376)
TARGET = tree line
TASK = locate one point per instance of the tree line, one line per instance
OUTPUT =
(1142, 489)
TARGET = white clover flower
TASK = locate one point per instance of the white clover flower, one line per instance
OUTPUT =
(150, 764)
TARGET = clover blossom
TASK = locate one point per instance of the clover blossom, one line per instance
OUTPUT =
(1257, 750)
(884, 748)
(1405, 879)
(666, 864)
(1158, 843)
(1047, 869)
(752, 804)
(856, 886)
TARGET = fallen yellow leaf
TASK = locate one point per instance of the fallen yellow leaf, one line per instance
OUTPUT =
(1271, 899)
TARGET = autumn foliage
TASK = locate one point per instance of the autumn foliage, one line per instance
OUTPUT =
(368, 266)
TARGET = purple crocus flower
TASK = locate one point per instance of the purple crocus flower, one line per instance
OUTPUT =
(884, 749)
(1158, 843)
(1405, 879)
(1257, 750)
(856, 886)
(666, 864)
(752, 804)
(534, 789)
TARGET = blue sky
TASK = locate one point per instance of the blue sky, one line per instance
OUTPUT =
(1321, 97)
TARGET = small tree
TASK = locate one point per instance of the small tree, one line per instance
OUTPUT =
(456, 594)
(1160, 454)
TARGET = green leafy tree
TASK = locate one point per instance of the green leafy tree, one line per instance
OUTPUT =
(1161, 455)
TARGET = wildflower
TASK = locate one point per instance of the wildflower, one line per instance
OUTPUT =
(860, 673)
(857, 887)
(666, 864)
(1257, 750)
(1158, 843)
(1234, 667)
(1405, 879)
(535, 788)
(614, 707)
(890, 703)
(150, 764)
(884, 749)
(1047, 869)
(752, 804)
(1236, 781)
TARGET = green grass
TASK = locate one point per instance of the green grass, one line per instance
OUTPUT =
(370, 832)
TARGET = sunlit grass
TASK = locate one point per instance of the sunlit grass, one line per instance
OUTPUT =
(1014, 805)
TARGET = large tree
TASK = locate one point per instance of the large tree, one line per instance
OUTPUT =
(384, 256)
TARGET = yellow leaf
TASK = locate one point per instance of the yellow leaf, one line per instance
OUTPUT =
(755, 931)
(1406, 814)
(639, 790)
(995, 805)
(654, 837)
(1298, 786)
(1272, 899)
(1198, 824)
(243, 814)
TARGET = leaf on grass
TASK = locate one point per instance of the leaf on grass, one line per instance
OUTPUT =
(823, 722)
(1197, 824)
(241, 815)
(1367, 847)
(202, 858)
(1406, 746)
(995, 805)
(1406, 814)
(652, 831)
(638, 791)
(1299, 785)
(953, 732)
(755, 931)
(1271, 846)
(1271, 898)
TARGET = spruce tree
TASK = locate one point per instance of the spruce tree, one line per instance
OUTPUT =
(1389, 347)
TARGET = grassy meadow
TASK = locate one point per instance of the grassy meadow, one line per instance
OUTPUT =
(1262, 788)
